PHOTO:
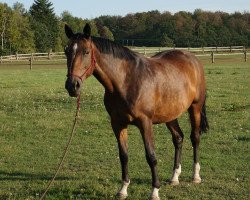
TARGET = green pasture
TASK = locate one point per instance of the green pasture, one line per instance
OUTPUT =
(36, 116)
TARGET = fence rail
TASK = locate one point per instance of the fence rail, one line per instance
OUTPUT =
(152, 50)
(147, 51)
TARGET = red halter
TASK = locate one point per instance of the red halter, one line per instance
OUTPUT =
(91, 67)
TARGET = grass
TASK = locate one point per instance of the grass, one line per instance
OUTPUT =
(36, 116)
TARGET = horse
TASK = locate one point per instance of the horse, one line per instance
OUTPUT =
(141, 91)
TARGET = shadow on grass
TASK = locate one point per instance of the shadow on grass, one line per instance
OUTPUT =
(87, 192)
(21, 176)
(141, 181)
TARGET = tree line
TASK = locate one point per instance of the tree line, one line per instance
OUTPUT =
(182, 29)
(40, 30)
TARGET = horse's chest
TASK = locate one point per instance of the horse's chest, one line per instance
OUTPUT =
(117, 108)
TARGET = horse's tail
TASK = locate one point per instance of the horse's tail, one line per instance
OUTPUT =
(204, 126)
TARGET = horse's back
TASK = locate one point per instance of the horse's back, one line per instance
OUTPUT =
(181, 62)
(178, 58)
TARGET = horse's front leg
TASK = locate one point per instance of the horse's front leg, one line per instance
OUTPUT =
(120, 131)
(146, 129)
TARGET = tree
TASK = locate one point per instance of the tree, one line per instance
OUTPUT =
(16, 33)
(20, 35)
(76, 24)
(166, 41)
(4, 17)
(107, 33)
(211, 36)
(40, 29)
(104, 31)
(184, 29)
(224, 36)
(45, 24)
(19, 8)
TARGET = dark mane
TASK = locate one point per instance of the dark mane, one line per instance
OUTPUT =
(109, 47)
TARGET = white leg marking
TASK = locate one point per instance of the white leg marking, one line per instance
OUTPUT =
(155, 194)
(196, 173)
(122, 193)
(175, 177)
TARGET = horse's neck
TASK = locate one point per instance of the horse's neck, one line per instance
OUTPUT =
(110, 72)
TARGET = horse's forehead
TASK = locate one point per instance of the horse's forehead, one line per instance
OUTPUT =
(75, 47)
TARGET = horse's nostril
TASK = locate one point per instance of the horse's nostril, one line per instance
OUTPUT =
(77, 85)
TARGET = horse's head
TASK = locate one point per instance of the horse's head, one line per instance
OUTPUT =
(80, 59)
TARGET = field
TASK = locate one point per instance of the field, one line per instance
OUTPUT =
(36, 116)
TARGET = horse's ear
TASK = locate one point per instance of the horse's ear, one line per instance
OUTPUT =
(68, 31)
(87, 31)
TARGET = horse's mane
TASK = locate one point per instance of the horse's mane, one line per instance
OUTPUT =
(109, 47)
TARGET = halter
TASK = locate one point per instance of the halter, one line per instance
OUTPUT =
(90, 67)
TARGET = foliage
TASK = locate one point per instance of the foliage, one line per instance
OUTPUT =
(20, 33)
(45, 24)
(185, 29)
(16, 32)
(166, 41)
(40, 29)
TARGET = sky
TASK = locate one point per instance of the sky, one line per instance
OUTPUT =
(89, 9)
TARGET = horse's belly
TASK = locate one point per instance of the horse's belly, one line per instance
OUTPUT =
(165, 117)
(170, 110)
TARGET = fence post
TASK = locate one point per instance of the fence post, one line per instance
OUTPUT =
(31, 62)
(16, 56)
(245, 56)
(212, 54)
(1, 59)
(145, 51)
(231, 49)
(203, 50)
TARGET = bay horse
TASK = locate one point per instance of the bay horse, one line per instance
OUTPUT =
(141, 91)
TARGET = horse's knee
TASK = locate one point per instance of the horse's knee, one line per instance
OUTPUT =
(151, 159)
(177, 141)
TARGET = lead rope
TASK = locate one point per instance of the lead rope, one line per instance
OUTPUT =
(66, 149)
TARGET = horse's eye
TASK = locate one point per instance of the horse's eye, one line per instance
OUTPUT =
(85, 52)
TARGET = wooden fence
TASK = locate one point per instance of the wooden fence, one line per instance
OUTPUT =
(201, 50)
(211, 52)
(34, 56)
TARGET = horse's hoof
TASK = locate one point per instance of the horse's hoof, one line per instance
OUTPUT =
(121, 196)
(174, 183)
(154, 198)
(197, 180)
(154, 194)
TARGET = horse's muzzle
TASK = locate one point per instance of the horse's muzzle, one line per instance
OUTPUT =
(73, 86)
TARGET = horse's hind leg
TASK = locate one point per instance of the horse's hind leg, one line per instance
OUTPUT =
(177, 137)
(121, 136)
(195, 117)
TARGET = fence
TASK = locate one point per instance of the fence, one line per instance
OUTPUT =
(203, 50)
(147, 51)
(34, 56)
